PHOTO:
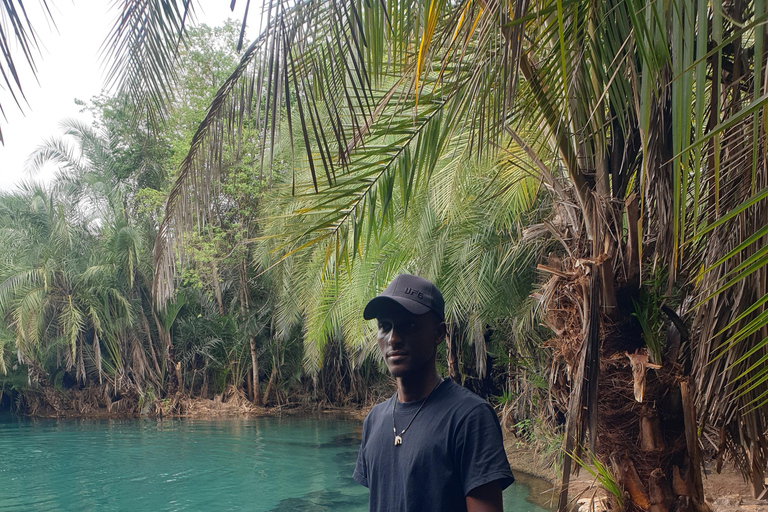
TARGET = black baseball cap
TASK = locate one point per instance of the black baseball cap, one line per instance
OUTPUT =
(414, 293)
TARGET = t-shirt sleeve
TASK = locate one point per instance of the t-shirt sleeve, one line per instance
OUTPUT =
(480, 450)
(361, 469)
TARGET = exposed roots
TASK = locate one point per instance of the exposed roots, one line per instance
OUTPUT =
(101, 401)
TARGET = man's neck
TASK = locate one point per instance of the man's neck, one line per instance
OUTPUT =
(411, 389)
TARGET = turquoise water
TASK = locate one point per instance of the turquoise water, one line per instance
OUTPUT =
(255, 464)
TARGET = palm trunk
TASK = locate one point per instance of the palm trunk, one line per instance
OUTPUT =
(644, 413)
(582, 411)
(249, 387)
(179, 378)
(168, 362)
(452, 353)
(270, 385)
(145, 324)
(692, 444)
(256, 396)
(217, 288)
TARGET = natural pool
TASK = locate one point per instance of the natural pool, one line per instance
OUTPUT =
(256, 464)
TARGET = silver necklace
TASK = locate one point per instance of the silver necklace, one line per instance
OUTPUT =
(399, 437)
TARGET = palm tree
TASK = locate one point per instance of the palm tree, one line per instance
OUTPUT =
(642, 120)
(88, 273)
(46, 304)
(449, 234)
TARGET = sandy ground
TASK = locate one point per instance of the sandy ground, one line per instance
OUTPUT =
(724, 492)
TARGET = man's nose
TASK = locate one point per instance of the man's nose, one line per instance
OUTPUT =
(394, 336)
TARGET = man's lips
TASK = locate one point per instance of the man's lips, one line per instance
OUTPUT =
(396, 354)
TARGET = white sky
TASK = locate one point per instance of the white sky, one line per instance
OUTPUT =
(69, 67)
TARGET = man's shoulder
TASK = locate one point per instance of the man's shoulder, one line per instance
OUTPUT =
(457, 403)
(460, 396)
(379, 409)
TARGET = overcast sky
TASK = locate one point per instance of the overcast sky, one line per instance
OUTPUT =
(69, 68)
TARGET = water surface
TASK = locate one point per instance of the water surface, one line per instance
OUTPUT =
(256, 464)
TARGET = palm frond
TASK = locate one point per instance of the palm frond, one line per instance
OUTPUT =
(18, 34)
(142, 50)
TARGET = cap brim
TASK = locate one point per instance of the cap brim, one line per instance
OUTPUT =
(379, 304)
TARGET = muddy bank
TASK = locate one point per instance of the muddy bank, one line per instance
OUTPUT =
(90, 404)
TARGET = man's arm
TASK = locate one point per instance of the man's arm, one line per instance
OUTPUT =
(485, 498)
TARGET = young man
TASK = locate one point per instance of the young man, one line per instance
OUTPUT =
(433, 446)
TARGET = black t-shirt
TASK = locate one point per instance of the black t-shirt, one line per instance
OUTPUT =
(453, 446)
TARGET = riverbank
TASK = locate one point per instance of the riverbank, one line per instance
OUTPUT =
(49, 402)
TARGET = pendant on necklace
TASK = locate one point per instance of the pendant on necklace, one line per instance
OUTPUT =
(398, 440)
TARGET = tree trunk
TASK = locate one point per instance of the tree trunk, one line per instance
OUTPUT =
(255, 373)
(582, 409)
(165, 338)
(644, 449)
(632, 255)
(452, 354)
(270, 385)
(249, 387)
(179, 379)
(692, 442)
(152, 352)
(245, 304)
(217, 288)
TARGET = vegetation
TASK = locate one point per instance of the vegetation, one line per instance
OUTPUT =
(618, 147)
(83, 333)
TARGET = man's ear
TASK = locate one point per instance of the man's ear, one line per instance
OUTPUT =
(442, 330)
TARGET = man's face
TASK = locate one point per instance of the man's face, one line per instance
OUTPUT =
(408, 342)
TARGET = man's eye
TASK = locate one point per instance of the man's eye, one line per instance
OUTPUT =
(385, 326)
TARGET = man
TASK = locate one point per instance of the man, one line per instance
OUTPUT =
(433, 446)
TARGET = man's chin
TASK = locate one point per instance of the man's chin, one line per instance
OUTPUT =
(407, 370)
(398, 372)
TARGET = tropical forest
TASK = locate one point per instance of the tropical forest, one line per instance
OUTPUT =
(585, 181)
